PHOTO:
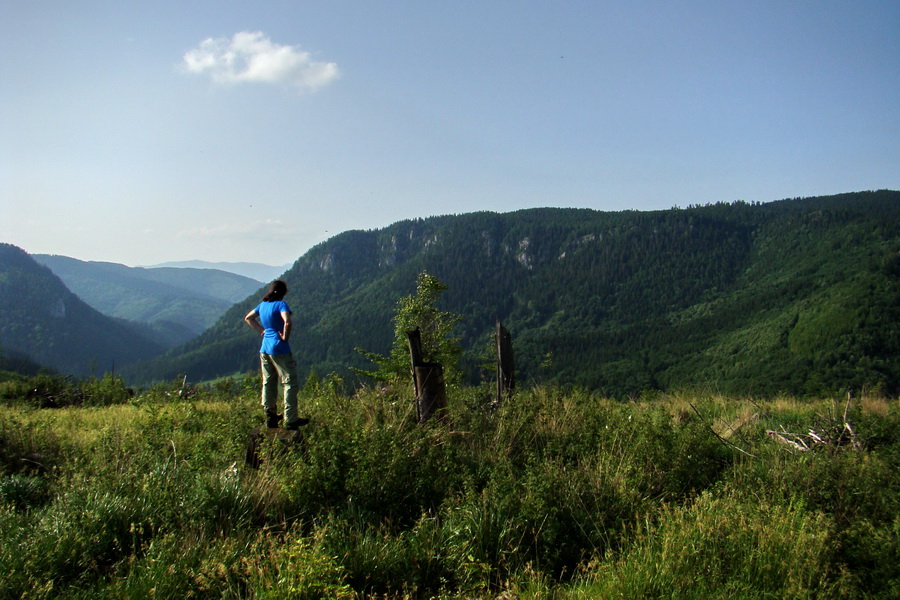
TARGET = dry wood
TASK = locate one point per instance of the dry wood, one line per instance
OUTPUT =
(428, 381)
(721, 439)
(832, 433)
(790, 439)
(506, 377)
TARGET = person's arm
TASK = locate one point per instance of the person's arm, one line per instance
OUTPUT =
(286, 332)
(252, 319)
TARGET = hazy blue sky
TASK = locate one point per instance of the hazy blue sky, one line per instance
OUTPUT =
(143, 132)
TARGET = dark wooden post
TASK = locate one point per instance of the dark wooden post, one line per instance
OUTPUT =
(432, 391)
(506, 371)
(415, 356)
(428, 380)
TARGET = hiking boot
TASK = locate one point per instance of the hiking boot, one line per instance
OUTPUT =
(295, 425)
(273, 419)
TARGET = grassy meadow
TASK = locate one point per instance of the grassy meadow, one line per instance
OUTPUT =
(555, 494)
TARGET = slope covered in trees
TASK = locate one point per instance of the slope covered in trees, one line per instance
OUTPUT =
(45, 323)
(175, 304)
(797, 296)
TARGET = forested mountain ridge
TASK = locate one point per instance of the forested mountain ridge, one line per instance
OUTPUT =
(175, 304)
(796, 296)
(258, 271)
(45, 323)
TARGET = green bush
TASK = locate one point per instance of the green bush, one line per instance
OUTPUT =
(56, 391)
(105, 391)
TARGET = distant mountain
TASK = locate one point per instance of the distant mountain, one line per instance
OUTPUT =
(42, 321)
(258, 271)
(799, 296)
(175, 304)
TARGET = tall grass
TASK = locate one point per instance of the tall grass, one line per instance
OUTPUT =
(720, 547)
(555, 494)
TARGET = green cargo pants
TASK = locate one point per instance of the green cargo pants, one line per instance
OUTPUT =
(279, 368)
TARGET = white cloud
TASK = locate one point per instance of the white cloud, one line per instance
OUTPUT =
(253, 57)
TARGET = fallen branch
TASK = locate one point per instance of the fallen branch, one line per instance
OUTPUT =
(721, 439)
(832, 434)
(785, 438)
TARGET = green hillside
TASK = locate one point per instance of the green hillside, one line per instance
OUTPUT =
(41, 320)
(796, 296)
(175, 304)
(257, 271)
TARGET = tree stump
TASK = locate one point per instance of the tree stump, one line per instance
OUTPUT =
(432, 398)
(270, 442)
(428, 381)
(506, 368)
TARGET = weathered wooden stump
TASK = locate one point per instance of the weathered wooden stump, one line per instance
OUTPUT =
(432, 391)
(506, 368)
(270, 442)
(428, 381)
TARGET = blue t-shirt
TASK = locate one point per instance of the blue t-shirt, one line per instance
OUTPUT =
(270, 318)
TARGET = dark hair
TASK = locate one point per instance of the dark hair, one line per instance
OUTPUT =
(277, 290)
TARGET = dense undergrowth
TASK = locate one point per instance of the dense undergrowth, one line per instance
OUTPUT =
(552, 495)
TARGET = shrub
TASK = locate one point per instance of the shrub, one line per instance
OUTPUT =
(104, 391)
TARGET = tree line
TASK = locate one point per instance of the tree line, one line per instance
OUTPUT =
(732, 296)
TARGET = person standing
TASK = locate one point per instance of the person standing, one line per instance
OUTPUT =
(272, 319)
